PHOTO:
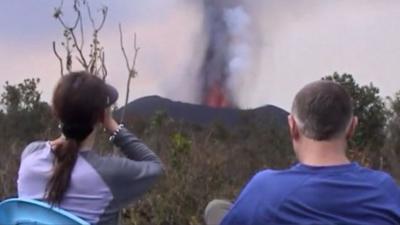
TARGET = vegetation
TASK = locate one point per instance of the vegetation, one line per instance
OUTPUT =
(23, 118)
(370, 109)
(375, 138)
(391, 149)
(202, 163)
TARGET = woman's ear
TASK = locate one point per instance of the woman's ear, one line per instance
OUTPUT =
(293, 128)
(102, 115)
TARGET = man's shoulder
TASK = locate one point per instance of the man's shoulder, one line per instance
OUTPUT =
(288, 179)
(278, 175)
(380, 179)
(277, 181)
(268, 188)
(269, 173)
(377, 177)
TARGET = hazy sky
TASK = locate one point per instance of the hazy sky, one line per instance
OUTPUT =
(298, 42)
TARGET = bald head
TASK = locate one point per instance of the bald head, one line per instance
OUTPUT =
(322, 110)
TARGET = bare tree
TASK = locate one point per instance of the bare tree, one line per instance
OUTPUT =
(74, 40)
(130, 67)
(74, 44)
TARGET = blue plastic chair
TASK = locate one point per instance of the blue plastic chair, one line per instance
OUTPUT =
(16, 211)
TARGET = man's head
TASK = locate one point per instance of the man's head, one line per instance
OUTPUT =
(322, 111)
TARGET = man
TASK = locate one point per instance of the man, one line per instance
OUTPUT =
(324, 187)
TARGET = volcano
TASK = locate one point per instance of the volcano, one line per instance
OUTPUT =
(203, 115)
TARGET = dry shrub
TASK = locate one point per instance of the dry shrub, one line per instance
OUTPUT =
(212, 162)
(202, 163)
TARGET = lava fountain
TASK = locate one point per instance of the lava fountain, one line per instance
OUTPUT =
(226, 53)
(216, 97)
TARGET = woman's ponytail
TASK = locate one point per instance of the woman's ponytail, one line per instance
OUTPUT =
(65, 158)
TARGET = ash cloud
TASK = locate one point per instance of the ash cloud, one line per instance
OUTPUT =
(228, 53)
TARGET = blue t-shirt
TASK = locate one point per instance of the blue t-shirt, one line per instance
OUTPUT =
(342, 194)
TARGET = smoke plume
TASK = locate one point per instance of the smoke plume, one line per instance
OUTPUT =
(228, 51)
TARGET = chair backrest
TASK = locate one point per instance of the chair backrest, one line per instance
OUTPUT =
(17, 211)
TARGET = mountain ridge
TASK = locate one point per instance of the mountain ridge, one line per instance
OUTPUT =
(147, 106)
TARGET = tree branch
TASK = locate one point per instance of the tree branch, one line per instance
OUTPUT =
(58, 15)
(82, 34)
(59, 58)
(103, 66)
(82, 57)
(131, 69)
(76, 41)
(136, 49)
(123, 48)
(104, 11)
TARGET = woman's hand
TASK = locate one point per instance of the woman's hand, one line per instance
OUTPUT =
(109, 123)
(57, 142)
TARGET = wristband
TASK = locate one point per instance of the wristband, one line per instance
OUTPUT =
(116, 132)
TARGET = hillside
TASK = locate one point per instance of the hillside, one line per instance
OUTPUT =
(203, 115)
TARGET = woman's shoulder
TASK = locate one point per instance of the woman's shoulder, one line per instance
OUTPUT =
(34, 147)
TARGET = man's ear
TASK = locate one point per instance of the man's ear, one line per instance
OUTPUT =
(293, 128)
(352, 127)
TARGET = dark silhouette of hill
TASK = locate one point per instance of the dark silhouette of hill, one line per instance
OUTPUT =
(202, 115)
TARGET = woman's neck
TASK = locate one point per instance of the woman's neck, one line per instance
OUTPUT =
(88, 143)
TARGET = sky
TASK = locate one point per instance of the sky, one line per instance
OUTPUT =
(296, 42)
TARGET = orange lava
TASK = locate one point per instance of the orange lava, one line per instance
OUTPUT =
(216, 97)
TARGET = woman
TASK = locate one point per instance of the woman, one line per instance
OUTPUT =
(67, 173)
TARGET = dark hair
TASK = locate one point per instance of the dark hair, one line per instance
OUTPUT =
(323, 110)
(79, 101)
